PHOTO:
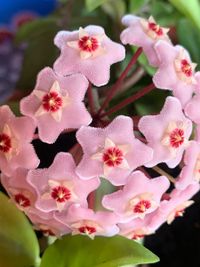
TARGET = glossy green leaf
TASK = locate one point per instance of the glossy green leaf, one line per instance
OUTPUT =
(18, 243)
(190, 8)
(92, 4)
(189, 37)
(76, 251)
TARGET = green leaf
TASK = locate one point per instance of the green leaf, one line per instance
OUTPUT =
(189, 37)
(93, 4)
(164, 13)
(115, 9)
(32, 30)
(145, 64)
(136, 5)
(152, 103)
(40, 51)
(18, 243)
(105, 188)
(190, 9)
(76, 251)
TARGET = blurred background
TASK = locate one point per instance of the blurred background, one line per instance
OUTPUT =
(27, 29)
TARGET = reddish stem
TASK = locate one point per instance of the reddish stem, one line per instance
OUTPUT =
(129, 100)
(116, 86)
(90, 98)
(91, 200)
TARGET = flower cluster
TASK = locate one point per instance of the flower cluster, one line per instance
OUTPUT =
(61, 199)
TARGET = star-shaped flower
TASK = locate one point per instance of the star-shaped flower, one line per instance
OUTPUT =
(19, 190)
(112, 152)
(87, 222)
(139, 197)
(60, 186)
(144, 33)
(136, 228)
(175, 72)
(15, 137)
(56, 104)
(167, 133)
(178, 201)
(88, 51)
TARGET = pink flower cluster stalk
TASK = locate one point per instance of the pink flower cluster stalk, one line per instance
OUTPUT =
(61, 199)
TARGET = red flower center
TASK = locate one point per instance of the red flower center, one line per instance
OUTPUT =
(137, 236)
(113, 156)
(61, 193)
(155, 28)
(52, 102)
(186, 68)
(88, 44)
(176, 138)
(142, 206)
(22, 200)
(5, 143)
(87, 230)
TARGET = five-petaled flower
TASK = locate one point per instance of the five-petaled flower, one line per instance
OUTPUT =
(137, 228)
(88, 51)
(140, 196)
(145, 34)
(16, 135)
(175, 206)
(60, 186)
(112, 152)
(87, 222)
(175, 72)
(167, 133)
(56, 103)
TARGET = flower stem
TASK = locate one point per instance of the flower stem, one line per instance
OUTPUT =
(90, 98)
(117, 85)
(91, 200)
(161, 172)
(129, 100)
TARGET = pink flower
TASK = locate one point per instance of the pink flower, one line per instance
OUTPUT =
(24, 196)
(176, 71)
(88, 51)
(15, 137)
(60, 186)
(19, 190)
(86, 222)
(56, 104)
(191, 109)
(167, 133)
(175, 207)
(190, 173)
(112, 152)
(137, 228)
(140, 196)
(144, 33)
(48, 224)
